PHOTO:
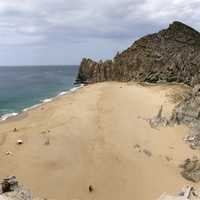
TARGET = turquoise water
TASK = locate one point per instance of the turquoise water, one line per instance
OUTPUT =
(25, 86)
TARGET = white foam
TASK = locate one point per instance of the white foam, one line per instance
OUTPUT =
(63, 93)
(47, 100)
(76, 88)
(31, 107)
(8, 115)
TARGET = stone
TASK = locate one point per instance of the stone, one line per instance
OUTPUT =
(91, 188)
(191, 170)
(19, 142)
(9, 153)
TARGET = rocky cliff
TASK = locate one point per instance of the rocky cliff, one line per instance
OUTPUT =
(171, 55)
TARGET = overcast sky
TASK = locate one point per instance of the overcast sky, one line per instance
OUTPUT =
(64, 31)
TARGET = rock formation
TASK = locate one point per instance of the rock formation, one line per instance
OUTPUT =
(191, 170)
(171, 55)
(10, 189)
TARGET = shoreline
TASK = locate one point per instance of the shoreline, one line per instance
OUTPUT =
(17, 116)
(14, 115)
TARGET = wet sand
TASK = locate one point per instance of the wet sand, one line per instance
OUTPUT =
(97, 136)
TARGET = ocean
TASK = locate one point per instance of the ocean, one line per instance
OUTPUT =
(22, 87)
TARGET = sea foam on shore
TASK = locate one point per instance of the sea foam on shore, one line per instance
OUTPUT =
(14, 114)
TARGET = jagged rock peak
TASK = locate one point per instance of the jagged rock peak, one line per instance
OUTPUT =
(171, 55)
(179, 26)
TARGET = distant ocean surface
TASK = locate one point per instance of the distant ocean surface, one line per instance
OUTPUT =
(26, 86)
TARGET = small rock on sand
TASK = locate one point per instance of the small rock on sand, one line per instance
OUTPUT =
(9, 153)
(19, 142)
(91, 188)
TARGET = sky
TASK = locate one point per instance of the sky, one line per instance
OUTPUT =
(51, 32)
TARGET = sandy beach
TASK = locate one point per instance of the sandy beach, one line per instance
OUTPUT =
(97, 136)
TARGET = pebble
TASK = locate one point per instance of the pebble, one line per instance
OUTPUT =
(19, 142)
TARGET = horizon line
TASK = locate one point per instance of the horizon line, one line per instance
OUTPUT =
(38, 65)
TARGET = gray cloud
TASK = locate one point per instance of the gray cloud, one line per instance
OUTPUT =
(43, 30)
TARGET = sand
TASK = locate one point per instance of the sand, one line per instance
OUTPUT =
(97, 136)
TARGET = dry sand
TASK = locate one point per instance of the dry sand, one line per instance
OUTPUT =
(97, 136)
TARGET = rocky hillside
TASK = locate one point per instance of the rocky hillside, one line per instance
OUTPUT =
(171, 55)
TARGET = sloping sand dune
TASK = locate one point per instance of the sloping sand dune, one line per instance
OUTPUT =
(97, 136)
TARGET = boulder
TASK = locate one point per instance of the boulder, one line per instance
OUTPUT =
(10, 189)
(191, 169)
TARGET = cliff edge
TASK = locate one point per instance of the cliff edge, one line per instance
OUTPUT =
(171, 55)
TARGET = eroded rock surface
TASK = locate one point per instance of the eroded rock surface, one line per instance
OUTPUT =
(191, 170)
(171, 55)
(10, 189)
(188, 112)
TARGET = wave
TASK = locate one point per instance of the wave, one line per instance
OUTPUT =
(8, 115)
(31, 107)
(63, 93)
(47, 100)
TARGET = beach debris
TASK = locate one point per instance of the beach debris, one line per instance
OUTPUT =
(19, 142)
(91, 188)
(147, 152)
(191, 169)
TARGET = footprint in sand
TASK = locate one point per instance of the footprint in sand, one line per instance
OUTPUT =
(137, 148)
(145, 151)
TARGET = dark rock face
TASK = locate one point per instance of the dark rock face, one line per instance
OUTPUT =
(10, 189)
(188, 112)
(171, 55)
(191, 170)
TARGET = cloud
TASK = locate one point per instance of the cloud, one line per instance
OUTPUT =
(46, 23)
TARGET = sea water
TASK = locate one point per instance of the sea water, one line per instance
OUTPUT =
(24, 87)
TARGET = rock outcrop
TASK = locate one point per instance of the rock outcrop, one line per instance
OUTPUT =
(171, 55)
(191, 170)
(187, 193)
(10, 189)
